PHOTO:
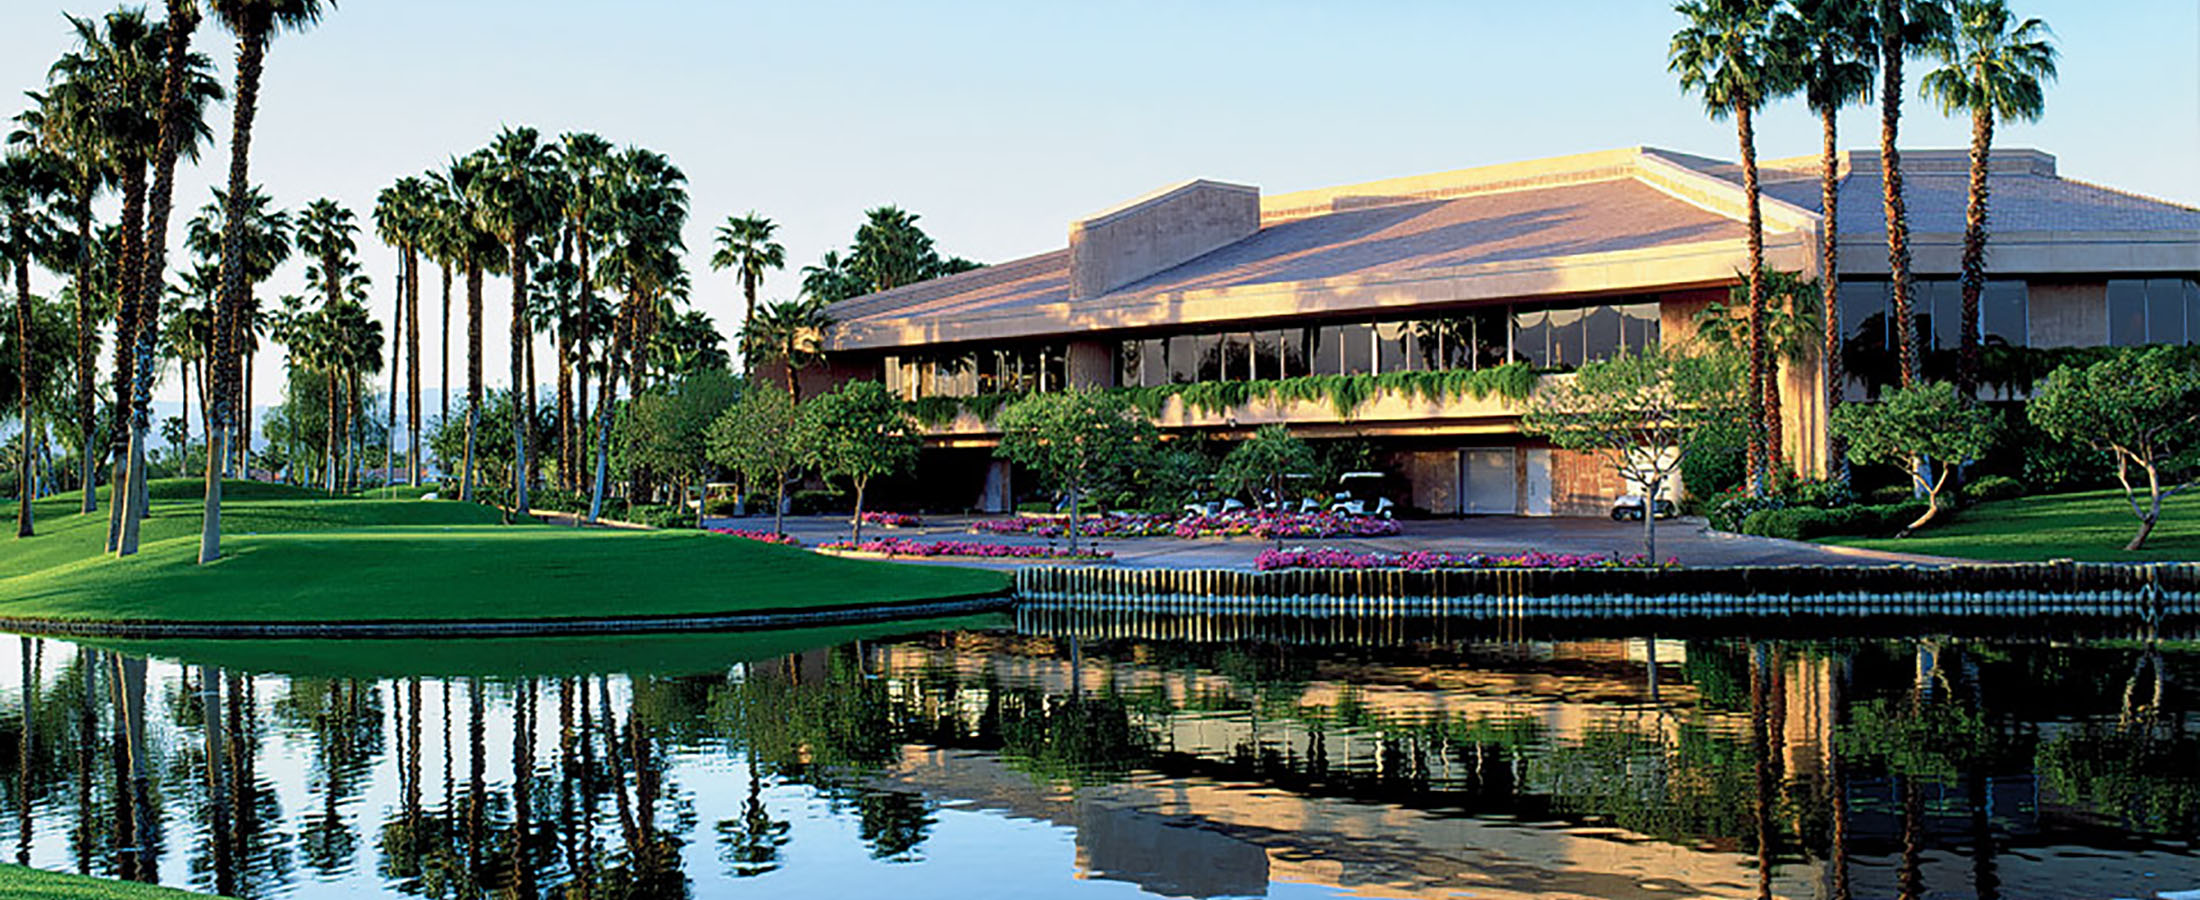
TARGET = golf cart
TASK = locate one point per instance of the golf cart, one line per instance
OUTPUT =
(1211, 502)
(1629, 508)
(1363, 494)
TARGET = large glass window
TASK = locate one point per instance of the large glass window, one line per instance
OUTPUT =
(1600, 332)
(2127, 312)
(1640, 326)
(1356, 348)
(1324, 354)
(1393, 346)
(1492, 337)
(1298, 346)
(1237, 357)
(1183, 359)
(1267, 355)
(1566, 337)
(2002, 313)
(2192, 310)
(1207, 349)
(2165, 311)
(1531, 337)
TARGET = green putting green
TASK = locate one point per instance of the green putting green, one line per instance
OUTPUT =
(300, 556)
(2092, 526)
(18, 883)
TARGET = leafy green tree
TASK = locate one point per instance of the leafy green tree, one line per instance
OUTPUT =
(1993, 66)
(1267, 460)
(1792, 333)
(1917, 427)
(1726, 54)
(662, 431)
(1641, 413)
(646, 206)
(751, 438)
(1078, 441)
(789, 333)
(859, 432)
(2141, 408)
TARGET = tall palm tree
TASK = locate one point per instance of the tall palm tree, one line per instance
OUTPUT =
(787, 333)
(255, 23)
(1833, 46)
(745, 245)
(587, 161)
(647, 209)
(1725, 54)
(477, 252)
(1903, 26)
(401, 220)
(832, 280)
(65, 124)
(1992, 66)
(264, 244)
(515, 201)
(187, 86)
(891, 251)
(30, 182)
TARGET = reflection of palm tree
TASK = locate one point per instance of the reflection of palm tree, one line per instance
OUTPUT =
(751, 843)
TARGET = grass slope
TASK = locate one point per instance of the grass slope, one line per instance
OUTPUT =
(18, 883)
(311, 558)
(2090, 527)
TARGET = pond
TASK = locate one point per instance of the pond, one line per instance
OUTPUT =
(1028, 757)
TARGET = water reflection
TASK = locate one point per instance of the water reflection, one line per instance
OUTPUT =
(1004, 761)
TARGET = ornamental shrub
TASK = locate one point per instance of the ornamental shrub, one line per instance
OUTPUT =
(1993, 487)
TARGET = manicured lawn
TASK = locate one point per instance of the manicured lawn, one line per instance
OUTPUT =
(2090, 527)
(310, 558)
(18, 883)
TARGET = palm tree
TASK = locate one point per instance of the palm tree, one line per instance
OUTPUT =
(745, 245)
(1832, 44)
(255, 23)
(264, 244)
(1725, 54)
(646, 209)
(187, 86)
(514, 202)
(477, 252)
(400, 220)
(787, 333)
(29, 183)
(831, 280)
(1993, 66)
(587, 161)
(65, 125)
(1903, 25)
(891, 251)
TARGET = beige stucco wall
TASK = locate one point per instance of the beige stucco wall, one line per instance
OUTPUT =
(1152, 233)
(2069, 315)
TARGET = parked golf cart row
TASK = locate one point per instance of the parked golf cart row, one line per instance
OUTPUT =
(1357, 494)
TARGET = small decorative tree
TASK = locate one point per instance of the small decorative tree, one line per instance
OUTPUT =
(1267, 459)
(860, 432)
(661, 431)
(1078, 441)
(1639, 412)
(2142, 409)
(752, 438)
(1911, 426)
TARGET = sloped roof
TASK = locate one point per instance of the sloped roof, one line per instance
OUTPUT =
(2017, 201)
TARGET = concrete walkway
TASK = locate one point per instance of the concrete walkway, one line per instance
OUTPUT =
(1687, 539)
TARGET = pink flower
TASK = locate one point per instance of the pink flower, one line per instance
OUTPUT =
(1425, 560)
(764, 536)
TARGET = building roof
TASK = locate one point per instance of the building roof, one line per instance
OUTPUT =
(1609, 222)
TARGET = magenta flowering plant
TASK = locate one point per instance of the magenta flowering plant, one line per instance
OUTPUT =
(1426, 560)
(961, 549)
(891, 519)
(763, 536)
(1266, 524)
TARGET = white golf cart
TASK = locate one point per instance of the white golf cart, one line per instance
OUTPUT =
(1628, 507)
(1363, 494)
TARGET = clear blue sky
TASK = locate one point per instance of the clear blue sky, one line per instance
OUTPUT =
(1000, 122)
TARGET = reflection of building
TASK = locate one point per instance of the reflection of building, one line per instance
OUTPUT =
(1547, 263)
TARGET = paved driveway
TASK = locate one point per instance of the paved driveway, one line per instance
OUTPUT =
(1687, 539)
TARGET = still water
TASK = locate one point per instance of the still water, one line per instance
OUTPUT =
(1028, 758)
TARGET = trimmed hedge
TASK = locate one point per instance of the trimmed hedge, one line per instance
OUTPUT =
(1993, 487)
(1801, 523)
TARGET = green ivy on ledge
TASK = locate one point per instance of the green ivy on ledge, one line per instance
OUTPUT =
(1344, 393)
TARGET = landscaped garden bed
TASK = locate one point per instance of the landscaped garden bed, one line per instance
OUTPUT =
(764, 536)
(1426, 560)
(1264, 525)
(891, 519)
(904, 547)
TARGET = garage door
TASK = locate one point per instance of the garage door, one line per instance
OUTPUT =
(1491, 481)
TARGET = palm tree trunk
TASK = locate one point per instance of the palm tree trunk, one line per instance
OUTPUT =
(565, 409)
(534, 472)
(86, 367)
(127, 325)
(244, 408)
(473, 371)
(328, 418)
(443, 364)
(610, 388)
(1891, 51)
(22, 265)
(250, 49)
(522, 414)
(151, 274)
(397, 325)
(1829, 282)
(1760, 455)
(1974, 251)
(412, 366)
(355, 430)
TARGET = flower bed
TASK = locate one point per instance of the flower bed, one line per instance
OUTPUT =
(1425, 560)
(1266, 525)
(891, 520)
(764, 536)
(959, 549)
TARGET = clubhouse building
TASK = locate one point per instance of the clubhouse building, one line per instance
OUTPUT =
(1551, 263)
